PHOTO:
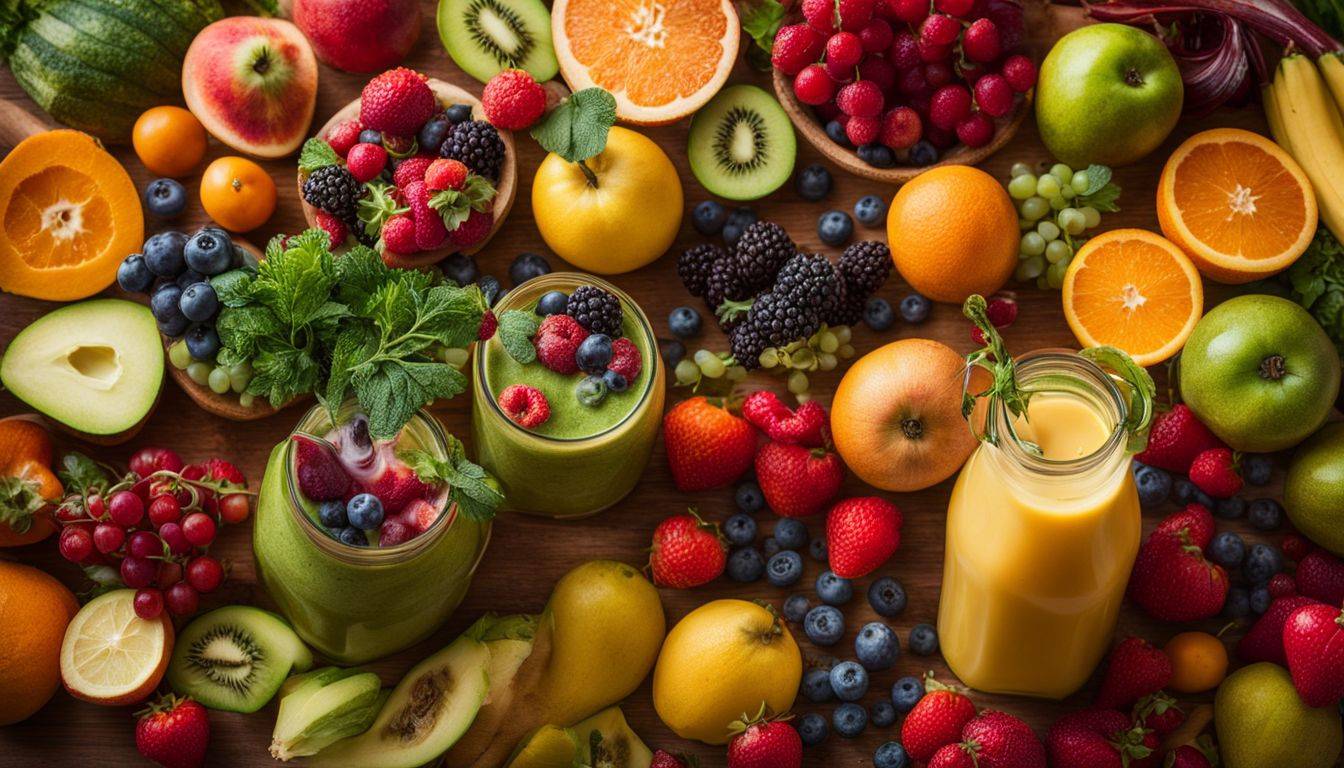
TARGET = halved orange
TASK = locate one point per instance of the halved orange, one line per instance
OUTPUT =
(1238, 205)
(1134, 290)
(661, 59)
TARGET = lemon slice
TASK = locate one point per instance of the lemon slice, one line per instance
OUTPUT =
(112, 656)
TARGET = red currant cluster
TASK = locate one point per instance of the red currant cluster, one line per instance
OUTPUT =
(907, 79)
(151, 529)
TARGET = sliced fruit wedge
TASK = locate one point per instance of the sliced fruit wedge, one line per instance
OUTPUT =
(235, 658)
(110, 655)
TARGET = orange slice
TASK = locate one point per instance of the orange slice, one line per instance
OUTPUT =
(1133, 290)
(661, 59)
(111, 656)
(1237, 204)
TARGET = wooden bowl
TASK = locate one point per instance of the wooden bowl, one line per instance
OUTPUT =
(505, 188)
(815, 133)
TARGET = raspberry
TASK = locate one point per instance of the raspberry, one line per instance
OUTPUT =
(863, 99)
(796, 46)
(813, 86)
(398, 234)
(1020, 73)
(411, 169)
(862, 130)
(473, 230)
(820, 15)
(909, 11)
(366, 161)
(489, 323)
(901, 128)
(854, 14)
(950, 105)
(937, 74)
(929, 52)
(525, 406)
(334, 227)
(445, 173)
(912, 82)
(976, 130)
(904, 51)
(876, 36)
(878, 71)
(994, 95)
(957, 8)
(1001, 311)
(981, 42)
(345, 136)
(557, 340)
(512, 100)
(844, 50)
(839, 74)
(939, 30)
(1295, 547)
(625, 359)
(397, 102)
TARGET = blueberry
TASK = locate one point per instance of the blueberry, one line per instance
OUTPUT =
(1183, 491)
(748, 496)
(877, 155)
(432, 134)
(891, 755)
(202, 341)
(791, 533)
(460, 268)
(915, 309)
(594, 353)
(1227, 549)
(1266, 514)
(836, 131)
(923, 153)
(1257, 468)
(834, 227)
(834, 590)
(849, 680)
(818, 550)
(906, 693)
(552, 303)
(490, 288)
(174, 327)
(165, 198)
(370, 136)
(869, 210)
(673, 352)
(883, 714)
(164, 303)
(1230, 509)
(189, 278)
(1205, 500)
(796, 608)
(163, 253)
(823, 625)
(812, 729)
(849, 720)
(878, 315)
(591, 391)
(1260, 600)
(1154, 484)
(365, 511)
(739, 529)
(813, 183)
(771, 546)
(816, 686)
(133, 275)
(746, 565)
(877, 647)
(458, 113)
(708, 217)
(199, 302)
(923, 640)
(526, 267)
(887, 597)
(615, 381)
(331, 514)
(352, 537)
(684, 322)
(209, 252)
(1238, 603)
(1262, 562)
(784, 569)
(738, 221)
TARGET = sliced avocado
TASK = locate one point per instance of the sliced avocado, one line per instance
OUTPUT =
(550, 746)
(608, 742)
(236, 658)
(326, 708)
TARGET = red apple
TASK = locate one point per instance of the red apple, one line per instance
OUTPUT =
(359, 35)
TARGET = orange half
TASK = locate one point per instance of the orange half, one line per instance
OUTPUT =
(661, 59)
(1237, 204)
(1133, 290)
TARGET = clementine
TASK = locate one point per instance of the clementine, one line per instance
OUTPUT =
(34, 611)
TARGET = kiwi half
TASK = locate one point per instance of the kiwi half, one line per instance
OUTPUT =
(236, 658)
(742, 145)
(485, 36)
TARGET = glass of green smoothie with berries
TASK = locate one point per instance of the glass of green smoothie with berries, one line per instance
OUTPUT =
(565, 412)
(365, 544)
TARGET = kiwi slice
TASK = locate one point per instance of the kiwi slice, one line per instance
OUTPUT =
(485, 36)
(742, 145)
(236, 658)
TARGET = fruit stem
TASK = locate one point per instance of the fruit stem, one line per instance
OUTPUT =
(912, 428)
(1273, 368)
(1133, 78)
(587, 173)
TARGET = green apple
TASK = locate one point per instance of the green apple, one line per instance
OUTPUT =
(1107, 94)
(1313, 494)
(1262, 722)
(1260, 373)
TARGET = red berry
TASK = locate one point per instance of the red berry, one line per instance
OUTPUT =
(876, 36)
(205, 574)
(958, 8)
(513, 100)
(108, 538)
(854, 13)
(938, 74)
(909, 11)
(147, 461)
(950, 105)
(164, 508)
(820, 15)
(912, 83)
(234, 508)
(904, 51)
(398, 234)
(446, 173)
(839, 74)
(982, 42)
(124, 508)
(940, 138)
(976, 130)
(861, 99)
(137, 572)
(76, 543)
(170, 572)
(862, 130)
(939, 30)
(978, 336)
(929, 53)
(1020, 73)
(901, 128)
(1295, 547)
(525, 406)
(95, 506)
(556, 341)
(182, 600)
(143, 544)
(813, 86)
(366, 161)
(994, 95)
(344, 136)
(878, 71)
(172, 535)
(1001, 311)
(336, 230)
(148, 603)
(970, 71)
(1281, 585)
(796, 46)
(625, 359)
(411, 169)
(199, 528)
(844, 50)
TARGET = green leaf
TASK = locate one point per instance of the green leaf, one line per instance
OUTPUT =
(1316, 281)
(359, 275)
(241, 329)
(762, 21)
(20, 499)
(393, 391)
(377, 206)
(315, 154)
(353, 349)
(452, 205)
(233, 288)
(1098, 176)
(281, 372)
(1142, 391)
(79, 473)
(516, 329)
(297, 283)
(577, 129)
(474, 490)
(1102, 193)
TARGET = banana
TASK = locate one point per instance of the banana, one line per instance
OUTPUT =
(1332, 69)
(1315, 131)
(1271, 104)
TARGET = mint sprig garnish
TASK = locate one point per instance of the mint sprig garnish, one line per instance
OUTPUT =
(577, 129)
(474, 490)
(762, 21)
(1101, 193)
(316, 154)
(516, 329)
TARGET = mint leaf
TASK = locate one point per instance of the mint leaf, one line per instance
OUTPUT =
(1098, 176)
(80, 474)
(762, 21)
(241, 329)
(1317, 283)
(394, 390)
(474, 490)
(233, 288)
(1104, 199)
(282, 371)
(577, 129)
(316, 154)
(377, 206)
(516, 329)
(359, 275)
(296, 283)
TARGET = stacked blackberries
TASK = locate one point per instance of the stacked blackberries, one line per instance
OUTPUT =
(694, 264)
(596, 310)
(478, 146)
(760, 252)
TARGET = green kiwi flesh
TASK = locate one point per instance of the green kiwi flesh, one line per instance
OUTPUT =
(235, 658)
(742, 145)
(485, 36)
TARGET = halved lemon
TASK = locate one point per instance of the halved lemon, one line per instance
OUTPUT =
(1134, 290)
(661, 59)
(110, 655)
(1238, 205)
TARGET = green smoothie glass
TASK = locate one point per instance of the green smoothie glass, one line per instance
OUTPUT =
(354, 604)
(583, 459)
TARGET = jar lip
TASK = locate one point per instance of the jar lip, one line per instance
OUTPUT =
(646, 329)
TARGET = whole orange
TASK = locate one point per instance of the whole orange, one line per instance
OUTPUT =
(170, 141)
(237, 193)
(34, 610)
(1198, 662)
(953, 232)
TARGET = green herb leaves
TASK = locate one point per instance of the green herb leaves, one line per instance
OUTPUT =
(315, 154)
(516, 329)
(577, 129)
(761, 21)
(1102, 193)
(471, 487)
(1317, 281)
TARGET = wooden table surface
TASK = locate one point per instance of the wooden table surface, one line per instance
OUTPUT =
(528, 554)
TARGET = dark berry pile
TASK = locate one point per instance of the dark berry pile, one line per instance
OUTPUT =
(596, 310)
(333, 189)
(477, 145)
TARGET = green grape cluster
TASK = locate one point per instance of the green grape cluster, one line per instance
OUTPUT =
(1053, 219)
(220, 379)
(706, 365)
(823, 351)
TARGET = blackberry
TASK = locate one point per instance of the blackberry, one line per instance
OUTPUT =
(811, 281)
(477, 144)
(780, 320)
(761, 251)
(865, 266)
(725, 283)
(746, 344)
(849, 311)
(596, 310)
(333, 189)
(693, 266)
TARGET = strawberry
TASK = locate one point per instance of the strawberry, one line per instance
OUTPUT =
(807, 426)
(1320, 575)
(221, 471)
(321, 476)
(556, 341)
(366, 161)
(1099, 738)
(625, 359)
(445, 173)
(664, 759)
(1171, 579)
(394, 531)
(398, 235)
(1136, 669)
(525, 406)
(513, 100)
(397, 102)
(862, 533)
(1215, 472)
(1159, 712)
(951, 756)
(1264, 640)
(430, 231)
(1194, 522)
(1175, 439)
(999, 740)
(765, 743)
(1313, 642)
(936, 721)
(473, 230)
(1186, 756)
(797, 481)
(418, 515)
(336, 229)
(707, 446)
(397, 486)
(173, 732)
(687, 552)
(411, 169)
